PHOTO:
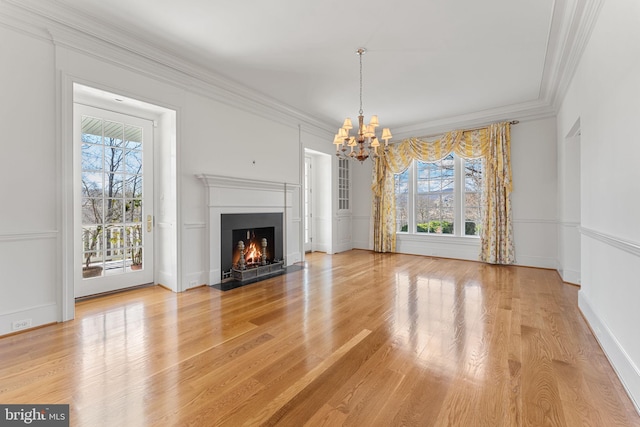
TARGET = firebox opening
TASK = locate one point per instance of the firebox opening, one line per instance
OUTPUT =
(257, 245)
(248, 227)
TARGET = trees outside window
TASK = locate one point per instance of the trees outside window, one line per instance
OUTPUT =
(442, 197)
(111, 195)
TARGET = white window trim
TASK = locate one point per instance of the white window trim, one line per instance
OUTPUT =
(459, 203)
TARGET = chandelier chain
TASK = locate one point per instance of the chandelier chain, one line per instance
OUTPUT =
(360, 55)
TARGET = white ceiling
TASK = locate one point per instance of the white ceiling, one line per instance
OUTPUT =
(428, 61)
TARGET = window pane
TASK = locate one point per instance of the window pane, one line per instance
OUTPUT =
(434, 208)
(133, 162)
(113, 159)
(113, 134)
(343, 184)
(473, 173)
(92, 185)
(91, 157)
(473, 169)
(401, 182)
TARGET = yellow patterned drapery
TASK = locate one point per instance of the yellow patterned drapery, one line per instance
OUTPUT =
(493, 144)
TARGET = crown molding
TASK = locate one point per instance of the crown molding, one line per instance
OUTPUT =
(586, 23)
(572, 24)
(526, 111)
(569, 32)
(73, 30)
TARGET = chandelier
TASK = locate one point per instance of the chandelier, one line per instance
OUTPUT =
(365, 139)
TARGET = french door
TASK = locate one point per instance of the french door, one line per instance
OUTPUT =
(113, 197)
(308, 206)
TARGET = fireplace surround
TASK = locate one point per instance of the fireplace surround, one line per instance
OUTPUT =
(228, 195)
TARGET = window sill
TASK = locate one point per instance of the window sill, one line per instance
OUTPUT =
(439, 238)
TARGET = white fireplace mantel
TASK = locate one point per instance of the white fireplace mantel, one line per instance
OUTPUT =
(226, 195)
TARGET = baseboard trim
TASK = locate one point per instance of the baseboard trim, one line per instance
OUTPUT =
(622, 364)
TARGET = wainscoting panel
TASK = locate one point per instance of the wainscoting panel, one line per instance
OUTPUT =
(30, 279)
(609, 296)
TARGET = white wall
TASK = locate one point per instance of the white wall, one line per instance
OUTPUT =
(605, 96)
(217, 133)
(30, 238)
(533, 158)
(534, 200)
(362, 198)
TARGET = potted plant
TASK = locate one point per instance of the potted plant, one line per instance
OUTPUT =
(135, 238)
(136, 258)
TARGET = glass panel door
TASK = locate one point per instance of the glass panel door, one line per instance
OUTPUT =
(115, 198)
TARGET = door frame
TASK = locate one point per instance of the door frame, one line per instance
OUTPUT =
(308, 192)
(166, 115)
(109, 283)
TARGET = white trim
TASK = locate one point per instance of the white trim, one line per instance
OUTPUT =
(627, 372)
(28, 235)
(67, 27)
(226, 195)
(220, 181)
(39, 315)
(570, 276)
(440, 238)
(625, 245)
(571, 26)
(195, 225)
(569, 224)
(534, 221)
(582, 21)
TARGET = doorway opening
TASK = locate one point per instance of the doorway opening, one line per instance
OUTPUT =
(119, 145)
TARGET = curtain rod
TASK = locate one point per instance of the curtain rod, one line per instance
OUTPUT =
(512, 122)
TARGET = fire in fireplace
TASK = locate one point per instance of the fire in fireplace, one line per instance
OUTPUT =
(254, 247)
(251, 245)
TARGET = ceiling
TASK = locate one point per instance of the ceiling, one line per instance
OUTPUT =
(427, 61)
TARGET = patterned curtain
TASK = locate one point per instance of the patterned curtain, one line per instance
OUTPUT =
(491, 143)
(496, 235)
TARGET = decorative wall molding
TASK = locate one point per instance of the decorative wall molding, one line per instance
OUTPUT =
(220, 181)
(437, 239)
(572, 24)
(69, 28)
(625, 245)
(532, 110)
(534, 221)
(569, 224)
(195, 225)
(580, 24)
(29, 235)
(39, 315)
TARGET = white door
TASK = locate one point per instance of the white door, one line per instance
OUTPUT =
(113, 197)
(308, 206)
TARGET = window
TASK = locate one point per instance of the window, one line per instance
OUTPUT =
(343, 184)
(442, 197)
(473, 172)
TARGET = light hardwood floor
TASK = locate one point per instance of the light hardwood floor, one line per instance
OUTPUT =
(355, 338)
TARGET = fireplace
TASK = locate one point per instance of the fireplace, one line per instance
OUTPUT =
(251, 245)
(228, 197)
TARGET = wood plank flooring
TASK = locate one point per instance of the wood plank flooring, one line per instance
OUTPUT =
(356, 338)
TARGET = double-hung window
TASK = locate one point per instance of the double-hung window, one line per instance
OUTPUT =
(440, 198)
